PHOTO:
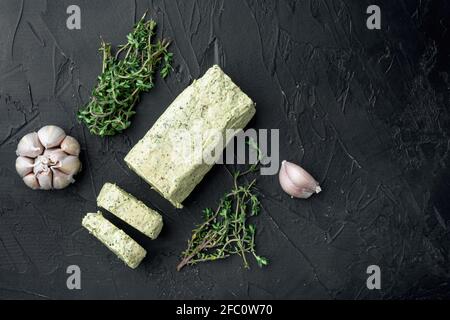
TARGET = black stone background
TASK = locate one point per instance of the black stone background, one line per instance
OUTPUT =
(366, 112)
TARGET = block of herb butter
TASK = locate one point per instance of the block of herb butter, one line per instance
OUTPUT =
(217, 104)
(126, 249)
(129, 209)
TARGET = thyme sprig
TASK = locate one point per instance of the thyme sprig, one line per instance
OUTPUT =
(124, 76)
(226, 230)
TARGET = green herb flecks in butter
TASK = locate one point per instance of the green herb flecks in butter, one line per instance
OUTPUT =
(129, 209)
(216, 102)
(126, 249)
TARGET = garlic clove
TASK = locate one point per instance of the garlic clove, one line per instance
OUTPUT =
(296, 181)
(24, 166)
(70, 146)
(51, 136)
(45, 178)
(70, 165)
(61, 180)
(31, 181)
(300, 177)
(30, 146)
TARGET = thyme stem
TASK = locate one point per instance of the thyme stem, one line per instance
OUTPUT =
(226, 230)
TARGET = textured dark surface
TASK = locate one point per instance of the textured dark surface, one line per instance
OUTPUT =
(366, 112)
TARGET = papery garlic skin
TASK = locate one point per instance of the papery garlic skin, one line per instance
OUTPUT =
(45, 179)
(31, 181)
(30, 146)
(296, 181)
(66, 163)
(48, 159)
(70, 165)
(24, 166)
(51, 136)
(61, 180)
(54, 155)
(71, 146)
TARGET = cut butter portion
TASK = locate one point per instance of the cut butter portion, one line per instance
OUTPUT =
(129, 209)
(126, 249)
(210, 105)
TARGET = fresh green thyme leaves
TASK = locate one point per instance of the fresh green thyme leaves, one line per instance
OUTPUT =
(124, 76)
(226, 231)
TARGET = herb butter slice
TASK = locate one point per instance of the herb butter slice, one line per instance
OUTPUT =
(126, 249)
(217, 104)
(129, 209)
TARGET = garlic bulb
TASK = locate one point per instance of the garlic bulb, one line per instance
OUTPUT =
(48, 159)
(296, 182)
